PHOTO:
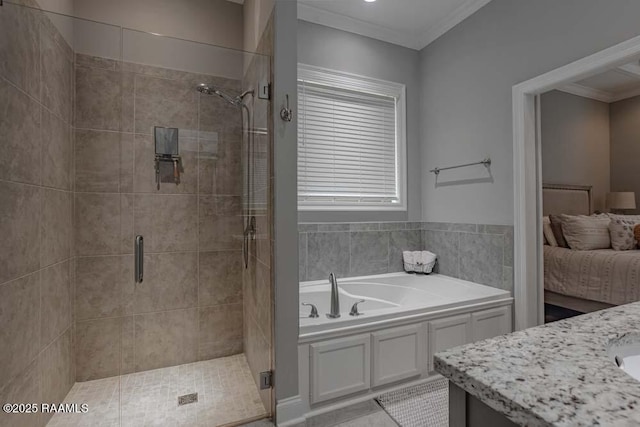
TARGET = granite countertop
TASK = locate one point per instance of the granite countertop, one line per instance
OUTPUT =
(559, 374)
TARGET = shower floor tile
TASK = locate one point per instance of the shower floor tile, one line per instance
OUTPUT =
(225, 387)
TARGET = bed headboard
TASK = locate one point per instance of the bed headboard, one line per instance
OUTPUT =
(566, 199)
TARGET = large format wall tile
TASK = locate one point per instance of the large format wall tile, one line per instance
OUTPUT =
(170, 282)
(56, 369)
(220, 280)
(101, 287)
(20, 320)
(56, 152)
(57, 72)
(220, 223)
(166, 338)
(326, 253)
(400, 241)
(20, 47)
(369, 253)
(445, 245)
(20, 230)
(98, 99)
(163, 102)
(98, 161)
(481, 258)
(97, 347)
(56, 228)
(55, 302)
(220, 331)
(19, 135)
(167, 222)
(25, 388)
(302, 257)
(97, 224)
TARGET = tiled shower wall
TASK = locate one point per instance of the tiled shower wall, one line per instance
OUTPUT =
(258, 277)
(189, 306)
(36, 267)
(475, 252)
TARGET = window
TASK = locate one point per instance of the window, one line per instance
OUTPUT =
(351, 142)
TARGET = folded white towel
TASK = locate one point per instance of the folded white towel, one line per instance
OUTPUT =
(427, 257)
(408, 257)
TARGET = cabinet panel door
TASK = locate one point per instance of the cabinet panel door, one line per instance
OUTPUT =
(491, 323)
(340, 367)
(398, 353)
(448, 333)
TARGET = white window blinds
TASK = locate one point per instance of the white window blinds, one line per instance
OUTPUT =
(348, 145)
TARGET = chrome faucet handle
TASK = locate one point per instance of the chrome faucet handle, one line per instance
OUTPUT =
(314, 310)
(354, 308)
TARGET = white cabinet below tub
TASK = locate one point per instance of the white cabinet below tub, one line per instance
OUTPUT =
(447, 333)
(340, 367)
(490, 323)
(398, 354)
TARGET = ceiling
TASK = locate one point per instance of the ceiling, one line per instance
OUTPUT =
(609, 86)
(410, 23)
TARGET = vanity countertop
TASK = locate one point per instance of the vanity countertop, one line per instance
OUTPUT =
(559, 374)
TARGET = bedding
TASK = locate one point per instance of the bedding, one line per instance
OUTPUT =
(603, 275)
(586, 233)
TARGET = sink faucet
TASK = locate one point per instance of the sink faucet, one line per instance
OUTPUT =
(335, 298)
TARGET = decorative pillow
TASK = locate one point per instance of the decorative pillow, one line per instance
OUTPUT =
(585, 233)
(547, 232)
(636, 233)
(622, 234)
(556, 228)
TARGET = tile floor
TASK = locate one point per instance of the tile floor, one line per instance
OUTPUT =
(225, 387)
(365, 414)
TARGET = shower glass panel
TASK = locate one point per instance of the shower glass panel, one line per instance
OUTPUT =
(186, 345)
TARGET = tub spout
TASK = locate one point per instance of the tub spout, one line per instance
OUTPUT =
(335, 298)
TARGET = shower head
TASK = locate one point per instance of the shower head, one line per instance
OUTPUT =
(210, 90)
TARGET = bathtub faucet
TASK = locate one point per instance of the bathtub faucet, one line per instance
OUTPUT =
(335, 298)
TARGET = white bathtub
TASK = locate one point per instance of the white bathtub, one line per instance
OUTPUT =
(389, 296)
(406, 319)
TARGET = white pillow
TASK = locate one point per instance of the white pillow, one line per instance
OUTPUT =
(548, 232)
(585, 233)
(621, 232)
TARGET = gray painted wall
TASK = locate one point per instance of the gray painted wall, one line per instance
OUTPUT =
(285, 197)
(575, 143)
(467, 76)
(625, 146)
(326, 47)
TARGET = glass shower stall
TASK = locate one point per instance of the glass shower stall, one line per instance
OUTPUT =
(136, 201)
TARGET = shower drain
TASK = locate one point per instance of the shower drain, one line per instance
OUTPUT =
(187, 398)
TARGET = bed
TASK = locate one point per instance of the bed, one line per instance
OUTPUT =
(585, 281)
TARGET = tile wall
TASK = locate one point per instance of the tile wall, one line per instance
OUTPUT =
(258, 277)
(189, 306)
(475, 252)
(36, 265)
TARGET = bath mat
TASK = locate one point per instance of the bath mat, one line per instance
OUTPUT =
(425, 405)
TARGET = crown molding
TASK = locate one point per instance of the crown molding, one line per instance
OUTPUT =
(587, 92)
(352, 25)
(402, 38)
(454, 18)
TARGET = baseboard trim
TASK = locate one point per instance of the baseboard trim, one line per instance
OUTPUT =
(290, 411)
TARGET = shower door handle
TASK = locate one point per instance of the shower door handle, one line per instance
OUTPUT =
(139, 259)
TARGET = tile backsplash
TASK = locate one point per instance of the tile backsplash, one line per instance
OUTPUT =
(476, 252)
